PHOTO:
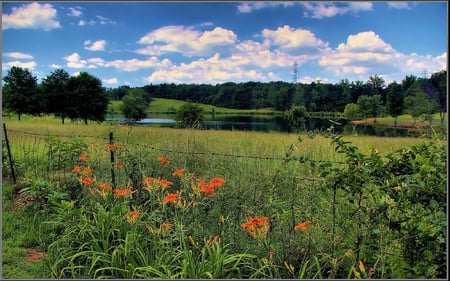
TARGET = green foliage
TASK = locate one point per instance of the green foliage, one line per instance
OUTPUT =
(419, 105)
(296, 115)
(351, 111)
(134, 104)
(369, 106)
(189, 115)
(20, 92)
(57, 95)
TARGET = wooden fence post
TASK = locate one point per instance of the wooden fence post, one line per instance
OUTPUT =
(113, 176)
(11, 163)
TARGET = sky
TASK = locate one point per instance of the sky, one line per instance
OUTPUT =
(143, 43)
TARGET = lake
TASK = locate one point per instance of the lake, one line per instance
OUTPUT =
(273, 123)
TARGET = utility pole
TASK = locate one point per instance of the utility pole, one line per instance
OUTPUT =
(294, 72)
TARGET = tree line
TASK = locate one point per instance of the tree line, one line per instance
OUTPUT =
(83, 97)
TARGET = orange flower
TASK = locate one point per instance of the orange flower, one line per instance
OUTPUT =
(257, 227)
(118, 165)
(163, 160)
(147, 181)
(216, 182)
(105, 186)
(207, 189)
(131, 216)
(84, 157)
(76, 169)
(178, 173)
(87, 181)
(88, 170)
(165, 183)
(170, 198)
(165, 226)
(303, 226)
(111, 147)
(123, 192)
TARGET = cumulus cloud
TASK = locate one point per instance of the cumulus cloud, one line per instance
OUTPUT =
(22, 64)
(34, 16)
(289, 38)
(75, 61)
(320, 10)
(399, 5)
(94, 46)
(186, 40)
(249, 7)
(366, 54)
(17, 55)
(110, 81)
(75, 12)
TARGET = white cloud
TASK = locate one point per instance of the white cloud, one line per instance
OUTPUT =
(22, 64)
(75, 12)
(135, 64)
(399, 5)
(104, 20)
(110, 81)
(98, 45)
(320, 10)
(74, 61)
(366, 54)
(34, 16)
(253, 6)
(17, 55)
(55, 66)
(290, 38)
(187, 41)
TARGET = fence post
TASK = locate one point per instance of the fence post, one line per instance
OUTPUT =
(111, 151)
(11, 163)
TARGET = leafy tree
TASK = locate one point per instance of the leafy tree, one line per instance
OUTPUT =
(189, 115)
(351, 111)
(296, 115)
(91, 98)
(376, 85)
(369, 106)
(20, 92)
(437, 91)
(58, 98)
(418, 105)
(284, 98)
(134, 104)
(394, 100)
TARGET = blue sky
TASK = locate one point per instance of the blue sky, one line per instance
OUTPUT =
(140, 43)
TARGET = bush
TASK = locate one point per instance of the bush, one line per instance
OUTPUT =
(189, 115)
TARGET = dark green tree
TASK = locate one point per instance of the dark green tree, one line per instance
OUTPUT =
(419, 105)
(394, 100)
(369, 106)
(351, 111)
(296, 115)
(57, 96)
(21, 94)
(134, 104)
(189, 115)
(90, 98)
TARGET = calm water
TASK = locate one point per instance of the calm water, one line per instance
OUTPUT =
(270, 123)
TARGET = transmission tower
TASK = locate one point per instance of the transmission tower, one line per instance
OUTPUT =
(294, 72)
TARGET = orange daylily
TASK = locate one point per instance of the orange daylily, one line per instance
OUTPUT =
(131, 216)
(123, 192)
(105, 186)
(163, 160)
(87, 181)
(216, 182)
(118, 165)
(87, 170)
(179, 172)
(303, 226)
(147, 181)
(76, 169)
(84, 157)
(165, 183)
(111, 147)
(171, 198)
(257, 227)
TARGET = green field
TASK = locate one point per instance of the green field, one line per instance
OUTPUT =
(332, 204)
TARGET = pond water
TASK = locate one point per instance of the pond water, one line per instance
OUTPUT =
(274, 123)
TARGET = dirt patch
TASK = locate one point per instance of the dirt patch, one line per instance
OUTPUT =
(34, 255)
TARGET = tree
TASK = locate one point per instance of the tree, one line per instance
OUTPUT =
(20, 92)
(418, 105)
(296, 115)
(394, 100)
(438, 92)
(351, 111)
(91, 100)
(369, 106)
(189, 115)
(56, 91)
(134, 104)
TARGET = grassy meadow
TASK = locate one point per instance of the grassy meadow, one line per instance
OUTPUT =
(179, 203)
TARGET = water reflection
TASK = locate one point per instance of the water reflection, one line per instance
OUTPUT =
(275, 123)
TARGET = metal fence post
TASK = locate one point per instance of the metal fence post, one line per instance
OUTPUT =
(113, 176)
(11, 163)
